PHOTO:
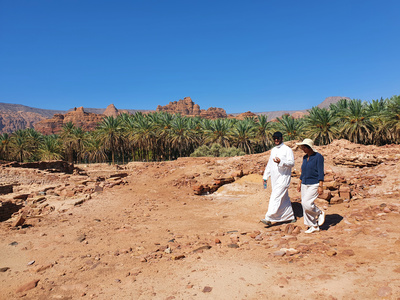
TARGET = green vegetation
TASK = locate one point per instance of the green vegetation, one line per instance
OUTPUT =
(216, 150)
(162, 136)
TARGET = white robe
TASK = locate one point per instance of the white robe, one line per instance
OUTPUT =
(279, 207)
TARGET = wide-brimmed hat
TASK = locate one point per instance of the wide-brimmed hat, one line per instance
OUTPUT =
(308, 142)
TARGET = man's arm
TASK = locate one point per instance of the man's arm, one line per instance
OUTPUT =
(288, 160)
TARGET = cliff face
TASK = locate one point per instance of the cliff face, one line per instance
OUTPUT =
(11, 121)
(187, 107)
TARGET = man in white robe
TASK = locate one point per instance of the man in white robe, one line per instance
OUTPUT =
(279, 168)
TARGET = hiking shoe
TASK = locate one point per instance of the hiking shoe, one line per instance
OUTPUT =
(312, 229)
(266, 222)
(321, 218)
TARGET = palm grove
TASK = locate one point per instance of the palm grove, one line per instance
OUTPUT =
(162, 136)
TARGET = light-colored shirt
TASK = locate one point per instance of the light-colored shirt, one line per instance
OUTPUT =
(283, 170)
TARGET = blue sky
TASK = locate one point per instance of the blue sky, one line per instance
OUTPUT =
(238, 55)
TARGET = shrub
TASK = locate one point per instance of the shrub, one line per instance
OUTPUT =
(216, 150)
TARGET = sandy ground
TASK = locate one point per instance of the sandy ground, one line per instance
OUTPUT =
(154, 239)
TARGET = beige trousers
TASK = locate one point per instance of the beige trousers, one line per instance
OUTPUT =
(310, 211)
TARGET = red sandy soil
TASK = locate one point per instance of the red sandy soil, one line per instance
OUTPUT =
(152, 238)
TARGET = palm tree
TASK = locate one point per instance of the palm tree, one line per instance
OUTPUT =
(321, 125)
(375, 110)
(181, 135)
(77, 139)
(110, 134)
(142, 135)
(35, 139)
(290, 127)
(67, 132)
(339, 107)
(5, 145)
(263, 132)
(93, 149)
(391, 118)
(50, 148)
(20, 145)
(217, 131)
(357, 127)
(242, 135)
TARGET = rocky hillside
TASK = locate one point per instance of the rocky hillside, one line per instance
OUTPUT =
(16, 116)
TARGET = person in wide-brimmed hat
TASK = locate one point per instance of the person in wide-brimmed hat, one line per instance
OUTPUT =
(311, 185)
(279, 168)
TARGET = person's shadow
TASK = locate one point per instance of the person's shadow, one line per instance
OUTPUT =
(330, 219)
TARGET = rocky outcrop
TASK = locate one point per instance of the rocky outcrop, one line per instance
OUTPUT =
(111, 111)
(187, 107)
(80, 118)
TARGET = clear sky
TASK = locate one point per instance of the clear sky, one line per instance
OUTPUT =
(256, 55)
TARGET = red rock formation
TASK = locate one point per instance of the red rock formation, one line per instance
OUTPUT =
(187, 107)
(111, 111)
(80, 118)
(247, 114)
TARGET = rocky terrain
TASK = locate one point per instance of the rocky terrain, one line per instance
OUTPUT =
(189, 229)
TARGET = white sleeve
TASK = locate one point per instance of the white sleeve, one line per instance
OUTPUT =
(288, 161)
(267, 171)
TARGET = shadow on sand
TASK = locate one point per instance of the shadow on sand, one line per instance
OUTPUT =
(330, 219)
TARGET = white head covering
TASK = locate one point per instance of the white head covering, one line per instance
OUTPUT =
(308, 142)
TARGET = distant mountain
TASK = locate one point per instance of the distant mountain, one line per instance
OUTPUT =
(17, 116)
(47, 113)
(299, 113)
(330, 100)
(277, 114)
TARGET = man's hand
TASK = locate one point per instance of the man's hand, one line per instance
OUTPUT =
(277, 160)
